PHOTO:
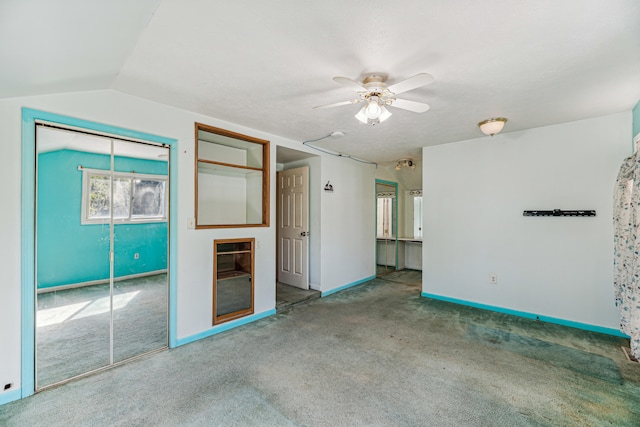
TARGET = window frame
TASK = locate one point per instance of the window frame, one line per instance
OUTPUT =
(87, 173)
(263, 170)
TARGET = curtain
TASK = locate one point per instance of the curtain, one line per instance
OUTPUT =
(626, 260)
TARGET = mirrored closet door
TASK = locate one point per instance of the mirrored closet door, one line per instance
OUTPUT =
(101, 252)
(386, 227)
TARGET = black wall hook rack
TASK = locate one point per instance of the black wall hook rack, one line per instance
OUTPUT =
(559, 212)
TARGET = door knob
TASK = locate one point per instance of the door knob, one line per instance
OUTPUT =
(305, 233)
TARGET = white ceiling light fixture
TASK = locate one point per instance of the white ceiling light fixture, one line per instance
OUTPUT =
(492, 126)
(373, 112)
(405, 163)
(377, 96)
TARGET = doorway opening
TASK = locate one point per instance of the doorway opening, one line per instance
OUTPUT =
(294, 237)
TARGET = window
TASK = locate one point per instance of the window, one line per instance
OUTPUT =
(136, 197)
(385, 217)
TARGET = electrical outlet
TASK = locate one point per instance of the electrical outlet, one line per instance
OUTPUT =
(493, 278)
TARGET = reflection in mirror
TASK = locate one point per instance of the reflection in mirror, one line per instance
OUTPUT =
(417, 213)
(72, 318)
(97, 196)
(140, 250)
(386, 227)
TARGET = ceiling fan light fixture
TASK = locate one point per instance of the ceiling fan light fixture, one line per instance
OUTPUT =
(361, 116)
(373, 108)
(384, 115)
(492, 126)
(377, 95)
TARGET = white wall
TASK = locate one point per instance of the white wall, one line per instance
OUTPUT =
(348, 226)
(353, 259)
(474, 195)
(10, 194)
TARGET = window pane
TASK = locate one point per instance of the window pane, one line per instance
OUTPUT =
(121, 197)
(148, 198)
(100, 196)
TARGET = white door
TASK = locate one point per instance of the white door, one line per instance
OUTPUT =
(293, 227)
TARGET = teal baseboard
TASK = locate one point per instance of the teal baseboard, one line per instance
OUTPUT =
(10, 396)
(349, 285)
(222, 328)
(532, 316)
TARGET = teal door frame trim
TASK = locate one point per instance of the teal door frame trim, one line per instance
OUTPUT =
(395, 211)
(27, 267)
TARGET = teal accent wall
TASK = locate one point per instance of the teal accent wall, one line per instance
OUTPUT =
(69, 252)
(636, 119)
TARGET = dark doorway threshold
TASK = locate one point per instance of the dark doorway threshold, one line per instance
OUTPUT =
(288, 296)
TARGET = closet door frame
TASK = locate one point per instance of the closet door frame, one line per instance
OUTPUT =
(29, 119)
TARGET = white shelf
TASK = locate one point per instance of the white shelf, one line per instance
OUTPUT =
(225, 170)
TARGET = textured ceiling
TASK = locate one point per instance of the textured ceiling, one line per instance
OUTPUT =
(266, 64)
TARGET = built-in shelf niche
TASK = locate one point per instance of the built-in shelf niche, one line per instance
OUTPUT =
(233, 272)
(231, 179)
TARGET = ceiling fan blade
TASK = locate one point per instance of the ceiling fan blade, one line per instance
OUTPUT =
(352, 84)
(405, 104)
(338, 104)
(411, 83)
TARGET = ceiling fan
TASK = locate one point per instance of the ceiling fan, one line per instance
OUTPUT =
(377, 96)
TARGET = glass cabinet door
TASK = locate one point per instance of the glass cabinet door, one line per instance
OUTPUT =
(232, 279)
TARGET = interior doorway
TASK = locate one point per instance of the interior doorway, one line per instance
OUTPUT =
(295, 266)
(386, 214)
(293, 227)
(101, 251)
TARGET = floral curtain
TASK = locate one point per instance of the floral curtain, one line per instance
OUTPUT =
(626, 260)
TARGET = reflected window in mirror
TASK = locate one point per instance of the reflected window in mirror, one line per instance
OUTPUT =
(417, 217)
(385, 217)
(417, 213)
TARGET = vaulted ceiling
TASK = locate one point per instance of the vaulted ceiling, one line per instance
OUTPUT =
(266, 64)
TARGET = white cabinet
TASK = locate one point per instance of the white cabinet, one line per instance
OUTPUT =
(409, 253)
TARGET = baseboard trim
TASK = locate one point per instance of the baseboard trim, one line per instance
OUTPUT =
(222, 328)
(527, 315)
(10, 396)
(349, 285)
(98, 282)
